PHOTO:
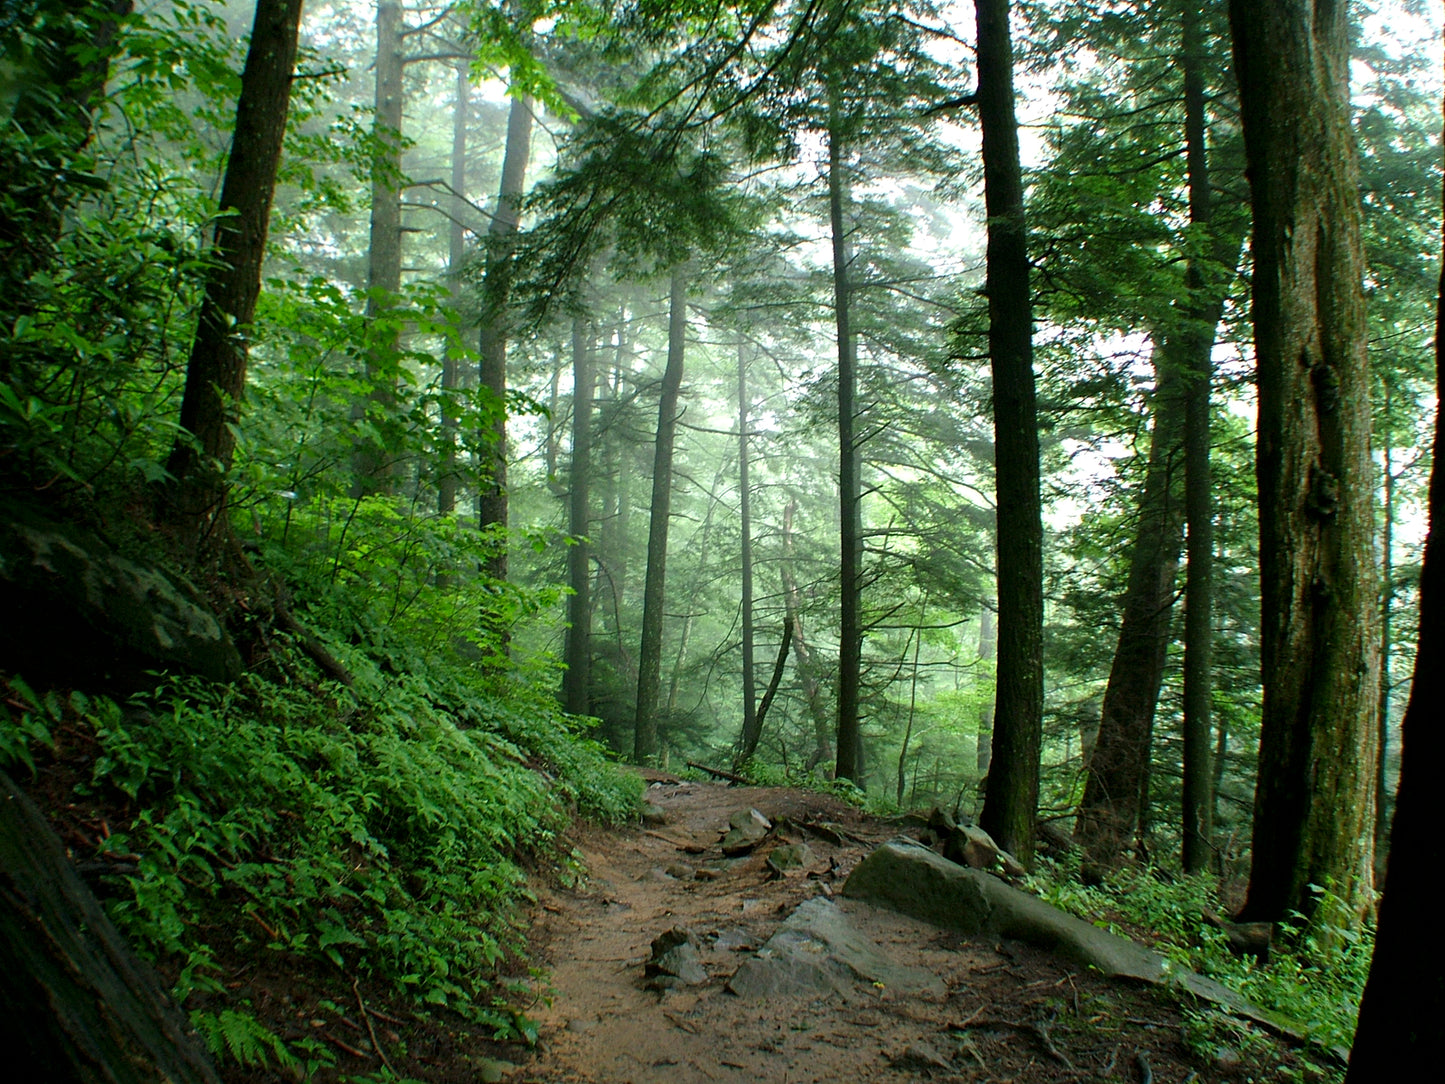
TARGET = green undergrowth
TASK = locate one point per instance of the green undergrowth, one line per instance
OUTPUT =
(1314, 976)
(383, 831)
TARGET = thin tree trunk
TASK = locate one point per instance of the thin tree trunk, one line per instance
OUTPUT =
(577, 653)
(1314, 798)
(987, 652)
(496, 294)
(1387, 600)
(649, 657)
(216, 370)
(850, 496)
(1110, 813)
(912, 710)
(674, 684)
(751, 722)
(373, 470)
(456, 255)
(1197, 804)
(802, 654)
(748, 748)
(1011, 799)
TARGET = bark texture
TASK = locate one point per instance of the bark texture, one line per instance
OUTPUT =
(216, 369)
(75, 1004)
(850, 496)
(649, 656)
(1011, 798)
(496, 293)
(1314, 800)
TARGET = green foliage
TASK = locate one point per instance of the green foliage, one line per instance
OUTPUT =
(241, 1038)
(1315, 974)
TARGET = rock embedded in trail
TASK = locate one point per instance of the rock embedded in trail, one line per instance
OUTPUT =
(818, 952)
(790, 857)
(746, 829)
(675, 960)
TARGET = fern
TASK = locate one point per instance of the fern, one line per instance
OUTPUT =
(242, 1038)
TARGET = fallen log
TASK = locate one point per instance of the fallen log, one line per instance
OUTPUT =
(731, 777)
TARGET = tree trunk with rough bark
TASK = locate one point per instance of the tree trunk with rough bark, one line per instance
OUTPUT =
(649, 656)
(78, 1007)
(751, 722)
(216, 371)
(1314, 798)
(1011, 799)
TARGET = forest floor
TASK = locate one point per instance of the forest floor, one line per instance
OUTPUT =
(1002, 1011)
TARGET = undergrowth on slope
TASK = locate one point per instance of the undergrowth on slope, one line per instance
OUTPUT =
(383, 830)
(1314, 976)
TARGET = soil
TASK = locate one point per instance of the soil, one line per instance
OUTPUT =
(1007, 1012)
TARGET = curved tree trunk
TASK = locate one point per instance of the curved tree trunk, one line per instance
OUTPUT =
(216, 370)
(1314, 798)
(1011, 799)
(76, 1006)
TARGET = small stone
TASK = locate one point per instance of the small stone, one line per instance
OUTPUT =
(675, 960)
(681, 871)
(709, 873)
(921, 1055)
(653, 814)
(493, 1070)
(790, 856)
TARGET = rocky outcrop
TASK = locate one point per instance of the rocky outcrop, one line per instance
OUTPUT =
(70, 599)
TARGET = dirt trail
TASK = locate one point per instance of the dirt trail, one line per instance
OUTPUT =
(1004, 1012)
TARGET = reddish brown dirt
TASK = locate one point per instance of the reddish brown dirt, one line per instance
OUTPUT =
(1010, 1013)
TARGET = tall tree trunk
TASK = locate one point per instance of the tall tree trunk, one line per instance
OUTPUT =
(1011, 799)
(1197, 804)
(79, 1007)
(1109, 815)
(216, 371)
(649, 656)
(912, 709)
(496, 294)
(1387, 605)
(1404, 1001)
(577, 652)
(987, 652)
(802, 654)
(850, 493)
(704, 540)
(751, 725)
(1314, 797)
(456, 256)
(371, 464)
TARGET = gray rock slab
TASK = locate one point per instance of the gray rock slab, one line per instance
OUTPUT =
(912, 879)
(817, 951)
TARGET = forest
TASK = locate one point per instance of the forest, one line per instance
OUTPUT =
(413, 414)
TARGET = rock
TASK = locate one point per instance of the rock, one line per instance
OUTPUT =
(910, 878)
(675, 960)
(708, 873)
(920, 1055)
(681, 871)
(981, 852)
(746, 829)
(493, 1070)
(790, 856)
(817, 951)
(653, 814)
(69, 595)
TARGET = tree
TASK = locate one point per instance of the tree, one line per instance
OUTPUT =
(216, 371)
(649, 654)
(578, 652)
(1314, 798)
(752, 726)
(1404, 998)
(1011, 798)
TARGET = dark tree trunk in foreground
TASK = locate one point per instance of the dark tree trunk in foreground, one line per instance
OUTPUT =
(1314, 799)
(578, 651)
(496, 293)
(75, 1004)
(751, 727)
(1109, 815)
(850, 494)
(1011, 799)
(1404, 1002)
(649, 656)
(216, 371)
(370, 463)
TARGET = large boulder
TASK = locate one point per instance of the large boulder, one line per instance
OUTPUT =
(910, 878)
(72, 600)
